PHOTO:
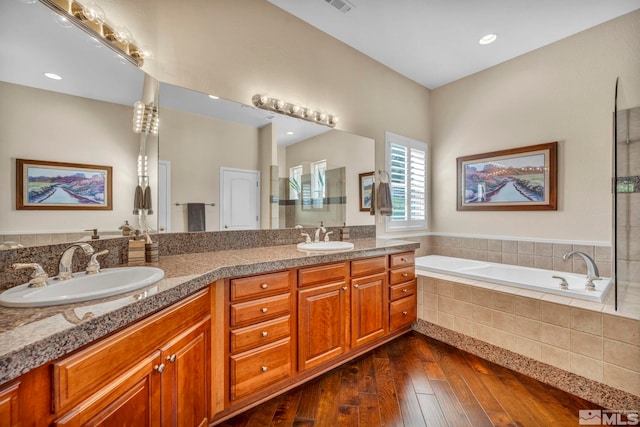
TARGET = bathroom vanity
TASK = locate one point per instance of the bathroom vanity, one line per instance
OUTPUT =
(222, 332)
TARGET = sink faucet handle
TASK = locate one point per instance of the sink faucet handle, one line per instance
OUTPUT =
(307, 238)
(93, 266)
(326, 236)
(38, 278)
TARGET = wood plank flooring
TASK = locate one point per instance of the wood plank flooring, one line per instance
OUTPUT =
(417, 381)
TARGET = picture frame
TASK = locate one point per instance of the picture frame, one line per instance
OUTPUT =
(366, 181)
(45, 185)
(516, 179)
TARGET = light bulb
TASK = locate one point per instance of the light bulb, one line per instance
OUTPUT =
(93, 13)
(279, 104)
(122, 35)
(295, 109)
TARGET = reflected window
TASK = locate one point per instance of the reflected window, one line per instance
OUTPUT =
(318, 183)
(295, 182)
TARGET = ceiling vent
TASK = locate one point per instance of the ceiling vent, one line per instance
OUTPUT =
(342, 5)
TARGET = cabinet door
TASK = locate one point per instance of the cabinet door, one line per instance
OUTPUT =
(322, 323)
(9, 415)
(132, 399)
(186, 379)
(369, 316)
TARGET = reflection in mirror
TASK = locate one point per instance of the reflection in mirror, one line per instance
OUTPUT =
(212, 151)
(84, 117)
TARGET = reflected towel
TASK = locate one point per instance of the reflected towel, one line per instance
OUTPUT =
(195, 217)
(383, 199)
(147, 200)
(372, 202)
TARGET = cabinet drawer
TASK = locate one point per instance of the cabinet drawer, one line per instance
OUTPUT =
(323, 273)
(403, 290)
(258, 286)
(403, 312)
(244, 313)
(402, 275)
(263, 333)
(253, 370)
(362, 267)
(404, 259)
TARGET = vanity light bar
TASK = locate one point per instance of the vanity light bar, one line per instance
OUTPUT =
(91, 20)
(145, 118)
(279, 106)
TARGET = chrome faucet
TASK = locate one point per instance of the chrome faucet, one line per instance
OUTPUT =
(318, 230)
(65, 268)
(592, 268)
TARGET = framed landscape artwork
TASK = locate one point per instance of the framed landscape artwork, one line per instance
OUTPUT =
(62, 186)
(366, 186)
(523, 178)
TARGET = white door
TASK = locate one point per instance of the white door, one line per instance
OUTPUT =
(239, 199)
(164, 196)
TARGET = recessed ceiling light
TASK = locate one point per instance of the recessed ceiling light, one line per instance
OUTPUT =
(289, 133)
(487, 39)
(53, 76)
(214, 97)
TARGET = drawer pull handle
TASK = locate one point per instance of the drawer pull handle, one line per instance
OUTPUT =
(405, 274)
(264, 309)
(159, 368)
(405, 290)
(344, 288)
(171, 358)
(264, 369)
(264, 334)
(356, 286)
(264, 286)
(404, 313)
(403, 259)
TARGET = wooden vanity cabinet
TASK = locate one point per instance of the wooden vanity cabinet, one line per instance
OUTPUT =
(259, 339)
(156, 372)
(403, 290)
(323, 314)
(9, 405)
(369, 308)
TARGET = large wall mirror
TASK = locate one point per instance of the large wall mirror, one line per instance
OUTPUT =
(207, 144)
(85, 117)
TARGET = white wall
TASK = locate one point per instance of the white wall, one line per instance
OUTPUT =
(35, 125)
(562, 92)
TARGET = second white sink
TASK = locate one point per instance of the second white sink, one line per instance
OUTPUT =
(82, 287)
(325, 246)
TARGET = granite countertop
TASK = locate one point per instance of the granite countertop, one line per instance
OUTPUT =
(31, 337)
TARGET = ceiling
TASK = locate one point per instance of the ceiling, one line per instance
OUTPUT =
(435, 42)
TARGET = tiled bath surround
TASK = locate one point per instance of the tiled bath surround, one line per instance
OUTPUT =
(598, 346)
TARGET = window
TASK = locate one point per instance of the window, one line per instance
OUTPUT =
(318, 186)
(407, 166)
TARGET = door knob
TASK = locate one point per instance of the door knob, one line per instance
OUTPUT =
(159, 368)
(171, 358)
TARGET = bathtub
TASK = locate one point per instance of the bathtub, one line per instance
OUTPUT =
(512, 275)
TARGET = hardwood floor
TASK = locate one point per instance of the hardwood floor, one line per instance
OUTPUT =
(417, 381)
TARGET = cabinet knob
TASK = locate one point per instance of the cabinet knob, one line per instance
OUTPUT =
(264, 309)
(405, 290)
(403, 259)
(171, 358)
(356, 286)
(264, 286)
(264, 334)
(344, 288)
(405, 274)
(159, 368)
(404, 313)
(264, 369)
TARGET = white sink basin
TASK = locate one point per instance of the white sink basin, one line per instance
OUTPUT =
(325, 246)
(82, 287)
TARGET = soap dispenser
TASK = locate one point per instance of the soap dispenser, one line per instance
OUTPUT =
(344, 232)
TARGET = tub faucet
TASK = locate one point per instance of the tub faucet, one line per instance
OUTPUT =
(64, 267)
(592, 268)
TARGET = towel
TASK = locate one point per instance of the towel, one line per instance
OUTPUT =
(147, 200)
(195, 217)
(372, 202)
(138, 200)
(383, 199)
